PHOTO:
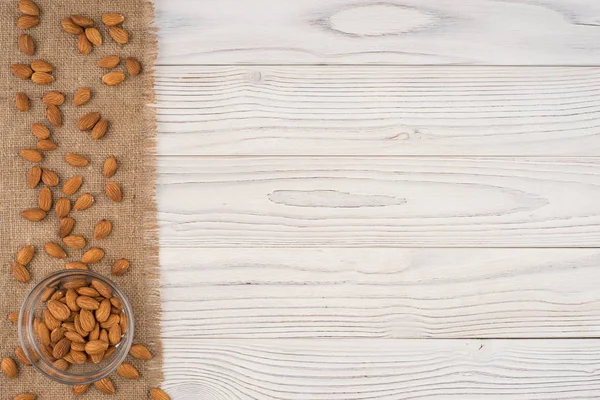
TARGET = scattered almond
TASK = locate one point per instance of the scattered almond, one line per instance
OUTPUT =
(54, 115)
(46, 145)
(82, 21)
(25, 255)
(14, 317)
(112, 19)
(72, 185)
(119, 35)
(9, 367)
(84, 201)
(159, 394)
(42, 78)
(102, 229)
(40, 131)
(54, 250)
(25, 396)
(110, 167)
(66, 226)
(71, 27)
(93, 255)
(41, 66)
(133, 66)
(76, 160)
(31, 155)
(22, 101)
(84, 46)
(34, 214)
(82, 96)
(21, 356)
(112, 78)
(74, 241)
(128, 371)
(20, 273)
(34, 176)
(109, 62)
(54, 98)
(21, 71)
(79, 390)
(88, 121)
(120, 267)
(28, 7)
(76, 265)
(94, 36)
(99, 130)
(105, 385)
(49, 178)
(27, 21)
(113, 192)
(140, 352)
(26, 44)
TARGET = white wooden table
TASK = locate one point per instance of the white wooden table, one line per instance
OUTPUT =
(365, 199)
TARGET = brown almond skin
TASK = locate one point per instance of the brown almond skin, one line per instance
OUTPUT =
(9, 367)
(21, 71)
(79, 390)
(94, 36)
(49, 178)
(46, 145)
(22, 102)
(54, 115)
(109, 62)
(62, 207)
(105, 386)
(113, 192)
(45, 199)
(28, 7)
(41, 66)
(34, 214)
(14, 317)
(84, 46)
(54, 98)
(71, 297)
(95, 346)
(40, 131)
(42, 78)
(27, 21)
(81, 96)
(103, 312)
(26, 44)
(21, 356)
(87, 303)
(25, 396)
(31, 155)
(76, 265)
(110, 167)
(88, 121)
(66, 226)
(74, 241)
(114, 334)
(43, 333)
(116, 302)
(113, 78)
(47, 294)
(63, 365)
(133, 66)
(78, 346)
(120, 267)
(102, 288)
(72, 185)
(84, 202)
(112, 319)
(87, 320)
(119, 35)
(102, 229)
(71, 27)
(59, 310)
(140, 352)
(82, 21)
(76, 160)
(99, 130)
(78, 357)
(159, 394)
(112, 19)
(128, 371)
(62, 348)
(54, 250)
(34, 177)
(93, 255)
(25, 255)
(20, 273)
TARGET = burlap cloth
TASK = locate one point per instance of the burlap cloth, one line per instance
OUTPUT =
(131, 138)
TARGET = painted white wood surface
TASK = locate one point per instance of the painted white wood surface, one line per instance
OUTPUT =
(298, 369)
(378, 110)
(379, 202)
(517, 32)
(265, 293)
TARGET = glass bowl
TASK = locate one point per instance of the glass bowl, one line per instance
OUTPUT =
(33, 308)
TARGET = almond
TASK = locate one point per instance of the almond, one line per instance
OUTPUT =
(94, 36)
(21, 71)
(27, 21)
(110, 167)
(113, 78)
(21, 356)
(120, 267)
(76, 265)
(140, 352)
(22, 101)
(105, 385)
(93, 255)
(66, 226)
(43, 333)
(62, 348)
(124, 323)
(25, 255)
(78, 357)
(128, 371)
(61, 364)
(47, 294)
(40, 131)
(25, 396)
(62, 207)
(79, 328)
(113, 192)
(20, 273)
(34, 214)
(112, 319)
(76, 160)
(42, 66)
(9, 367)
(69, 327)
(114, 335)
(119, 35)
(100, 129)
(54, 98)
(74, 241)
(87, 303)
(84, 202)
(84, 46)
(50, 321)
(54, 250)
(109, 62)
(58, 294)
(88, 291)
(28, 7)
(71, 27)
(26, 44)
(95, 346)
(103, 312)
(72, 185)
(59, 310)
(57, 334)
(102, 288)
(102, 229)
(103, 336)
(95, 333)
(42, 78)
(82, 96)
(46, 351)
(159, 394)
(14, 317)
(34, 176)
(49, 178)
(53, 115)
(87, 320)
(116, 302)
(133, 66)
(109, 352)
(82, 21)
(46, 145)
(80, 390)
(74, 337)
(112, 19)
(88, 121)
(31, 155)
(71, 297)
(78, 346)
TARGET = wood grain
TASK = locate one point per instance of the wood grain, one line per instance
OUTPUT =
(379, 202)
(380, 293)
(378, 110)
(517, 32)
(382, 369)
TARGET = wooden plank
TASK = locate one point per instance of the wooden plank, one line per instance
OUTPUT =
(517, 32)
(378, 110)
(382, 369)
(379, 201)
(380, 293)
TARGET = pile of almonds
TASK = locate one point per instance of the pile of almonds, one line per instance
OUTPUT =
(82, 323)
